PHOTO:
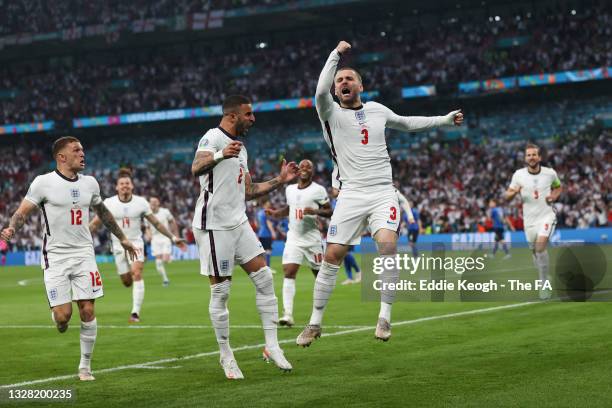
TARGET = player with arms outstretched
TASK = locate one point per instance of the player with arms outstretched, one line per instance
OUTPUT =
(161, 246)
(64, 198)
(355, 134)
(539, 187)
(129, 210)
(305, 201)
(222, 231)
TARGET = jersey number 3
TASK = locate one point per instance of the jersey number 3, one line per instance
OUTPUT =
(364, 132)
(76, 217)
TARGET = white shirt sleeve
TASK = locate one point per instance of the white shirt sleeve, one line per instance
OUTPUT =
(514, 183)
(556, 181)
(96, 198)
(170, 216)
(146, 208)
(414, 123)
(323, 99)
(210, 142)
(405, 204)
(322, 197)
(35, 193)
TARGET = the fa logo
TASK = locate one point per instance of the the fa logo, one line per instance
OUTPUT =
(204, 143)
(332, 230)
(53, 294)
(75, 194)
(360, 116)
(224, 265)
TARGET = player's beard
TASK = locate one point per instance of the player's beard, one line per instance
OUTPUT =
(242, 127)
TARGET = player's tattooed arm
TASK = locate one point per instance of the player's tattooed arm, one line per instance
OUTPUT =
(17, 220)
(280, 213)
(104, 216)
(204, 161)
(288, 173)
(325, 210)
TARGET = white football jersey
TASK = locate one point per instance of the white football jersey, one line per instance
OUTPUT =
(303, 229)
(534, 190)
(356, 137)
(65, 204)
(129, 216)
(164, 216)
(221, 204)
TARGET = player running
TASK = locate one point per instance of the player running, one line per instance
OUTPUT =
(129, 210)
(539, 187)
(305, 200)
(64, 198)
(161, 246)
(499, 223)
(223, 233)
(355, 133)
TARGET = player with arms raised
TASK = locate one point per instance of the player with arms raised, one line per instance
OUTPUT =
(161, 246)
(539, 187)
(129, 211)
(64, 198)
(355, 134)
(305, 200)
(222, 231)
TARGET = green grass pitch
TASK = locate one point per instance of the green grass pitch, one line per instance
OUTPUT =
(553, 354)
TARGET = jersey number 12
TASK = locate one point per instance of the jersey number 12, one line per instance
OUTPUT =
(76, 217)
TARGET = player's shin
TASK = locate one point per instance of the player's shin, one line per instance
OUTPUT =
(323, 288)
(161, 269)
(288, 295)
(219, 315)
(541, 261)
(138, 292)
(267, 304)
(389, 278)
(89, 331)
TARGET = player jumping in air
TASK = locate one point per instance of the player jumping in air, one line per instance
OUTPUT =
(539, 187)
(355, 134)
(129, 211)
(223, 233)
(305, 201)
(64, 198)
(161, 246)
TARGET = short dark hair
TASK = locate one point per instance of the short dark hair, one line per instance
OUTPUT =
(351, 69)
(124, 172)
(233, 102)
(532, 146)
(62, 142)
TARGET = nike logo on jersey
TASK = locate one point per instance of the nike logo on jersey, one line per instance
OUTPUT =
(95, 290)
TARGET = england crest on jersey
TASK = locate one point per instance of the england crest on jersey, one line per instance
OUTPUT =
(75, 194)
(360, 116)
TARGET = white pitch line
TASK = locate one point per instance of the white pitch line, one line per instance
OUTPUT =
(164, 327)
(256, 346)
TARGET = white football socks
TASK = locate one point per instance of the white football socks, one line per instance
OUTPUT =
(288, 295)
(219, 315)
(161, 269)
(267, 304)
(541, 259)
(389, 276)
(138, 292)
(89, 331)
(323, 287)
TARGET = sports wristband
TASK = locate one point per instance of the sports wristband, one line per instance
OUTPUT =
(218, 156)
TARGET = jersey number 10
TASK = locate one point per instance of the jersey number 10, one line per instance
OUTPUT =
(299, 214)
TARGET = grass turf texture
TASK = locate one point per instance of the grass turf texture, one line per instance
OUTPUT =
(544, 354)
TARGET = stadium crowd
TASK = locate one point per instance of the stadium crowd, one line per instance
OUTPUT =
(390, 56)
(449, 201)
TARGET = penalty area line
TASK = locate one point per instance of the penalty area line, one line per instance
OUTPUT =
(261, 345)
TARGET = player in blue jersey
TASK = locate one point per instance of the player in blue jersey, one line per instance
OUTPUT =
(414, 229)
(265, 230)
(499, 222)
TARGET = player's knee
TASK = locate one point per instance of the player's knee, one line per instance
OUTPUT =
(335, 254)
(87, 313)
(62, 317)
(289, 272)
(126, 279)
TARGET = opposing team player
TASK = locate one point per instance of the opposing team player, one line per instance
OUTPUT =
(222, 230)
(499, 223)
(539, 187)
(355, 133)
(305, 201)
(161, 246)
(64, 198)
(129, 210)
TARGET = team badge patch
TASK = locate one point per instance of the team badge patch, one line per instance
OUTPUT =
(75, 194)
(224, 265)
(333, 230)
(360, 116)
(53, 294)
(204, 143)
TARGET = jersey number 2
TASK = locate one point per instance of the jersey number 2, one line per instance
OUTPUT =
(364, 132)
(76, 217)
